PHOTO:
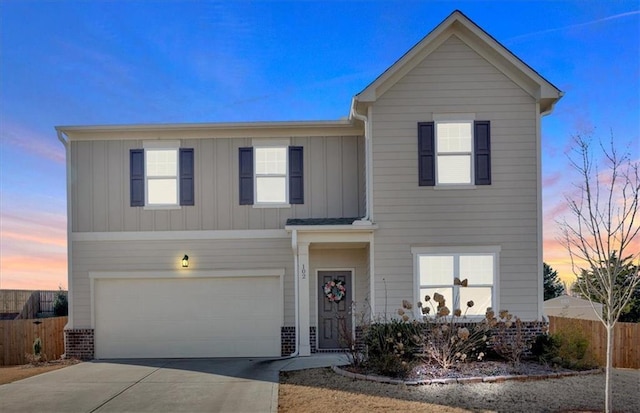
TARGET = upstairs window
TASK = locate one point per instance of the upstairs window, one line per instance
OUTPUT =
(454, 152)
(271, 175)
(162, 175)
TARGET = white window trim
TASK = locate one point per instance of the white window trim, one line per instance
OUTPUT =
(459, 250)
(161, 145)
(454, 118)
(280, 143)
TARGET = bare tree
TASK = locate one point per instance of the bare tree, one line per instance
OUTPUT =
(603, 223)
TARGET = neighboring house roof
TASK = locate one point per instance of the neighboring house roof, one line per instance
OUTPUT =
(459, 25)
(572, 307)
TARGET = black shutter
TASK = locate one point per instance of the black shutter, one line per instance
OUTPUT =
(482, 151)
(246, 176)
(426, 154)
(187, 194)
(136, 174)
(296, 175)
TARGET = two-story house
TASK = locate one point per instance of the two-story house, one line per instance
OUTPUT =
(255, 239)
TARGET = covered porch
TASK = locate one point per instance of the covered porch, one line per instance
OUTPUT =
(333, 262)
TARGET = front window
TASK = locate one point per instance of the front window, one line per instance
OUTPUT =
(454, 147)
(437, 270)
(271, 175)
(162, 176)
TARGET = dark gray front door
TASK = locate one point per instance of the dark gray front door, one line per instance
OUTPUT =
(334, 318)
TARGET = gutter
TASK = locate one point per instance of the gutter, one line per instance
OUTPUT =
(65, 142)
(553, 105)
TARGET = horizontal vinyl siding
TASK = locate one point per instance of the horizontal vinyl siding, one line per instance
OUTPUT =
(456, 79)
(165, 255)
(333, 183)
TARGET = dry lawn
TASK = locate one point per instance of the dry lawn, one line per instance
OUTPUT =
(9, 374)
(321, 390)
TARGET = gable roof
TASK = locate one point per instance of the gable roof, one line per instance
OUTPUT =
(480, 41)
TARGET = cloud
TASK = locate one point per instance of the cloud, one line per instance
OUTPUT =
(33, 142)
(574, 26)
(552, 179)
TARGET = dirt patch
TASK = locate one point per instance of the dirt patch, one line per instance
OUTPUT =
(9, 374)
(317, 390)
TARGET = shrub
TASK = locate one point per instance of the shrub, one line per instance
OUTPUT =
(37, 346)
(61, 304)
(391, 347)
(573, 348)
(508, 340)
(446, 339)
(37, 356)
(545, 348)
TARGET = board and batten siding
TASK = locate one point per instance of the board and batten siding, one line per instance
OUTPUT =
(213, 255)
(333, 181)
(455, 79)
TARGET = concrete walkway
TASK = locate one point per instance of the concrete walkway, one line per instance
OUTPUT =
(174, 385)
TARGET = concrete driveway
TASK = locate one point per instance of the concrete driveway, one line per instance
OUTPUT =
(189, 385)
(174, 385)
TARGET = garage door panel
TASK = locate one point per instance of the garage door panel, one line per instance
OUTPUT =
(200, 317)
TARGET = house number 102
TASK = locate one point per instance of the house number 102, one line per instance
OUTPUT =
(303, 273)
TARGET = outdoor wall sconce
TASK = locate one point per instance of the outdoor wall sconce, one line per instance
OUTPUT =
(185, 261)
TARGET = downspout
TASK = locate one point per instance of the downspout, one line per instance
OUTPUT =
(67, 147)
(367, 159)
(294, 247)
(368, 185)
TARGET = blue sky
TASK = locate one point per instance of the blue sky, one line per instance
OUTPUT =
(84, 63)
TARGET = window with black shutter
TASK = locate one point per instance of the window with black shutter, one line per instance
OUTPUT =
(161, 176)
(452, 152)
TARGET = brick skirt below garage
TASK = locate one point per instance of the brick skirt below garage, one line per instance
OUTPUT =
(79, 344)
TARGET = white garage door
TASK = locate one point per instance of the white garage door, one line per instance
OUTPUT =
(195, 317)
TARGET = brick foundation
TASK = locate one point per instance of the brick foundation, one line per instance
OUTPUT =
(312, 340)
(530, 330)
(288, 341)
(79, 344)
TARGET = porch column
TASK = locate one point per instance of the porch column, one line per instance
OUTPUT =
(303, 297)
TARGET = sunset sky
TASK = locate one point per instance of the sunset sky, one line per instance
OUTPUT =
(87, 63)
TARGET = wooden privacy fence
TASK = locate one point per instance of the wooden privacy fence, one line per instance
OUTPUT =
(626, 340)
(17, 336)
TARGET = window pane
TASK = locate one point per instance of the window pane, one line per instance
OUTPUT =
(454, 169)
(162, 162)
(436, 269)
(272, 161)
(271, 189)
(162, 191)
(478, 269)
(454, 137)
(446, 292)
(481, 297)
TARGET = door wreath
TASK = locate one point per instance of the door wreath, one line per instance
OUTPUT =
(334, 290)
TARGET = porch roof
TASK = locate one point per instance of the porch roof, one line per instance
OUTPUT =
(320, 221)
